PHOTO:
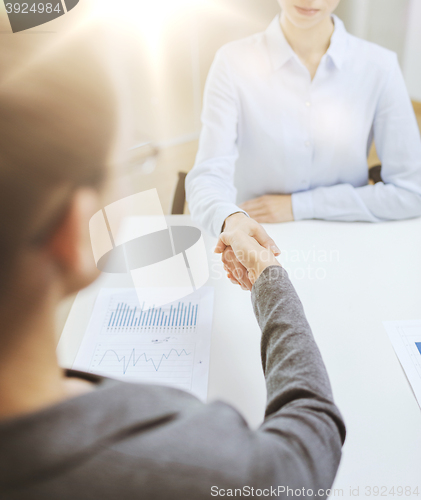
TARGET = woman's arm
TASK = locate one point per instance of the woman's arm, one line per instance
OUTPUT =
(210, 185)
(398, 145)
(299, 444)
(303, 431)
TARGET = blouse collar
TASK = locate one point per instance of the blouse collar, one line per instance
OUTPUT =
(280, 51)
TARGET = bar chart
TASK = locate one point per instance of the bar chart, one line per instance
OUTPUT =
(127, 316)
(411, 339)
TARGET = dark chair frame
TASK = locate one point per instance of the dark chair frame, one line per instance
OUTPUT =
(179, 199)
(374, 174)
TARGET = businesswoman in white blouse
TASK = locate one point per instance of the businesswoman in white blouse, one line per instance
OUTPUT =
(289, 116)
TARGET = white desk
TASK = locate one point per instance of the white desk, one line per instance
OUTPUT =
(350, 278)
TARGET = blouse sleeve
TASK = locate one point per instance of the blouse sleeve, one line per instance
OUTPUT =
(210, 184)
(398, 145)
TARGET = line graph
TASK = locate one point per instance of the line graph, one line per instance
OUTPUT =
(170, 364)
(134, 359)
(127, 316)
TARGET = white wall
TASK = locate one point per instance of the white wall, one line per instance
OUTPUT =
(394, 24)
(412, 53)
(171, 84)
(379, 21)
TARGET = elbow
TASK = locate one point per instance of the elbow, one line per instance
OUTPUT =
(392, 202)
(410, 203)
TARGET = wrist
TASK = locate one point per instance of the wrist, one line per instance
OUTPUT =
(255, 273)
(261, 266)
(260, 259)
(233, 219)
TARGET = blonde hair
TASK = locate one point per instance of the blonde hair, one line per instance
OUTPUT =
(57, 125)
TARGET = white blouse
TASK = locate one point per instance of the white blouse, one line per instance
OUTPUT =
(269, 129)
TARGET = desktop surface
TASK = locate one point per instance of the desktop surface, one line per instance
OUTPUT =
(350, 277)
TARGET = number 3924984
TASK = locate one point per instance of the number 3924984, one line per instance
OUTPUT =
(34, 8)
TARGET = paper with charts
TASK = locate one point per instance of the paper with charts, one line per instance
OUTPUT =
(406, 340)
(167, 345)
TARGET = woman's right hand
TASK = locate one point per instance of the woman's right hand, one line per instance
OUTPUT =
(246, 249)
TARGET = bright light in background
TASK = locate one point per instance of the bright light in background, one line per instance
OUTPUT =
(160, 43)
(157, 25)
(149, 17)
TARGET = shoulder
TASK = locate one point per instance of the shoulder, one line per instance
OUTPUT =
(238, 51)
(243, 59)
(370, 56)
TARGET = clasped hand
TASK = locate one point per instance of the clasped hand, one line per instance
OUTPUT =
(246, 250)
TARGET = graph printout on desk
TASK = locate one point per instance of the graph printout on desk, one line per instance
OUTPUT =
(406, 340)
(167, 345)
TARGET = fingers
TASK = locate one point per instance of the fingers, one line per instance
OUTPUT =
(224, 241)
(272, 208)
(263, 219)
(241, 275)
(236, 271)
(258, 210)
(255, 210)
(253, 229)
(220, 246)
(265, 240)
(259, 207)
(245, 246)
(251, 205)
(251, 276)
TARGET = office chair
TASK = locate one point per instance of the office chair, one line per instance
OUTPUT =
(374, 174)
(179, 198)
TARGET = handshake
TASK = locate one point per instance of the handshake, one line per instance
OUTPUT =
(246, 250)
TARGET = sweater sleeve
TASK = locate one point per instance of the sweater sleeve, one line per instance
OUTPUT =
(303, 432)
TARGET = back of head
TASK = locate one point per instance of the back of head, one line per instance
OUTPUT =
(57, 120)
